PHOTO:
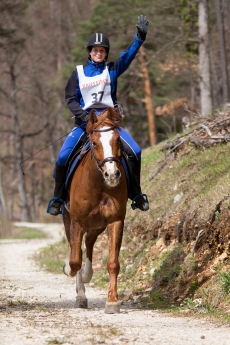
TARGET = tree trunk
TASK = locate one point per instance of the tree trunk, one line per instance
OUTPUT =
(204, 63)
(2, 198)
(224, 70)
(148, 98)
(25, 216)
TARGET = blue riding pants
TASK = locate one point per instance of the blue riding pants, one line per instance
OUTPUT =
(76, 137)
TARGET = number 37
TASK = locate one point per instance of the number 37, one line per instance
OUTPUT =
(97, 97)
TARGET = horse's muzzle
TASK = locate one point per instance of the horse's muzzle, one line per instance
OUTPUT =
(112, 177)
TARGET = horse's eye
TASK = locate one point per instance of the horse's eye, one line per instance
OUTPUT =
(93, 143)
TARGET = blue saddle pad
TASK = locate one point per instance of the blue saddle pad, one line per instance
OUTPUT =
(74, 164)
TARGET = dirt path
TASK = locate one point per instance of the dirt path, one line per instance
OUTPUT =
(37, 307)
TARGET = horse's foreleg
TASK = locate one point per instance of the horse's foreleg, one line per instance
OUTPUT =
(90, 240)
(76, 236)
(75, 261)
(115, 239)
(66, 221)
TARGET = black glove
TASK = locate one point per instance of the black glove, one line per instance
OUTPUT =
(86, 117)
(82, 115)
(142, 27)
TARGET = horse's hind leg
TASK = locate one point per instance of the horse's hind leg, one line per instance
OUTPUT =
(115, 239)
(90, 240)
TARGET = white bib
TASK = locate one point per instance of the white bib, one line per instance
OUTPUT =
(96, 91)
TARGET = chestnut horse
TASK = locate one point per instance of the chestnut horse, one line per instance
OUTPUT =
(98, 197)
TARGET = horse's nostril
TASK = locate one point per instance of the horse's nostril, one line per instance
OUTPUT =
(117, 173)
(106, 174)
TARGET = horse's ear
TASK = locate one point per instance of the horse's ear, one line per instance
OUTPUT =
(113, 114)
(110, 114)
(92, 119)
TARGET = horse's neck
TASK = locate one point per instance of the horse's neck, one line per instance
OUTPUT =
(92, 167)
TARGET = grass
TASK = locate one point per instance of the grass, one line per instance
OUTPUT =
(114, 331)
(156, 300)
(201, 174)
(56, 341)
(225, 281)
(22, 233)
(52, 258)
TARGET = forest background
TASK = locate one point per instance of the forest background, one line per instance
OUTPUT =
(181, 73)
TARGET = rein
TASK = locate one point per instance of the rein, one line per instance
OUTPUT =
(107, 159)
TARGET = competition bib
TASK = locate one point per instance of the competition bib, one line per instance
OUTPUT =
(96, 91)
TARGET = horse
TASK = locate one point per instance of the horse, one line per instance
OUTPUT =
(98, 197)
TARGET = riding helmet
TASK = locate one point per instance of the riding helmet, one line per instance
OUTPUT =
(98, 39)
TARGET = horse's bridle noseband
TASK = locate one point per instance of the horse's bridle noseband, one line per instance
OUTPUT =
(107, 159)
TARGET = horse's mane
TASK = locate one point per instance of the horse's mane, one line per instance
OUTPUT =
(109, 117)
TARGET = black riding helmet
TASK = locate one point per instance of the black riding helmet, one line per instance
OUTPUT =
(100, 40)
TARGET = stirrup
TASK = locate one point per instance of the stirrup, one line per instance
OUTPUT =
(133, 205)
(57, 199)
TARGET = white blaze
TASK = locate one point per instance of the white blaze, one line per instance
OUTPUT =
(107, 149)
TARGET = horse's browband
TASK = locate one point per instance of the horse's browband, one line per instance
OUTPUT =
(104, 130)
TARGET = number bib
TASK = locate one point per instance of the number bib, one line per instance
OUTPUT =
(96, 91)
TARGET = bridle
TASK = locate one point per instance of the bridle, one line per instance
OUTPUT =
(107, 159)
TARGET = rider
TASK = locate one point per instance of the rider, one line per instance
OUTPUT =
(93, 86)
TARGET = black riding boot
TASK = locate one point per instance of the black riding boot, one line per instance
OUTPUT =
(59, 190)
(139, 200)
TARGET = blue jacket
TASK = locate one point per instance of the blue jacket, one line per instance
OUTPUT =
(73, 95)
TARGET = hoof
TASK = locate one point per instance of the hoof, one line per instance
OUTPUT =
(66, 270)
(81, 303)
(112, 307)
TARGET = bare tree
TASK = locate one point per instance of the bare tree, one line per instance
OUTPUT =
(204, 62)
(148, 98)
(224, 70)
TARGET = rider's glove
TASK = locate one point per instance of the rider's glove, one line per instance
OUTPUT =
(86, 117)
(142, 27)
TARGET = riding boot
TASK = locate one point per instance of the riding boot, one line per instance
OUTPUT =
(139, 200)
(59, 190)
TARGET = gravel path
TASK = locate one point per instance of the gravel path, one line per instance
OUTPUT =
(37, 307)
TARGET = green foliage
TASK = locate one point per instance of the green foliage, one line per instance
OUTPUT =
(194, 285)
(24, 233)
(53, 256)
(56, 341)
(225, 282)
(156, 300)
(114, 330)
(188, 14)
(170, 266)
(217, 215)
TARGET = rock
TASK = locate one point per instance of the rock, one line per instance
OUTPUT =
(205, 275)
(152, 271)
(127, 292)
(220, 258)
(136, 299)
(178, 197)
(126, 298)
(128, 267)
(149, 289)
